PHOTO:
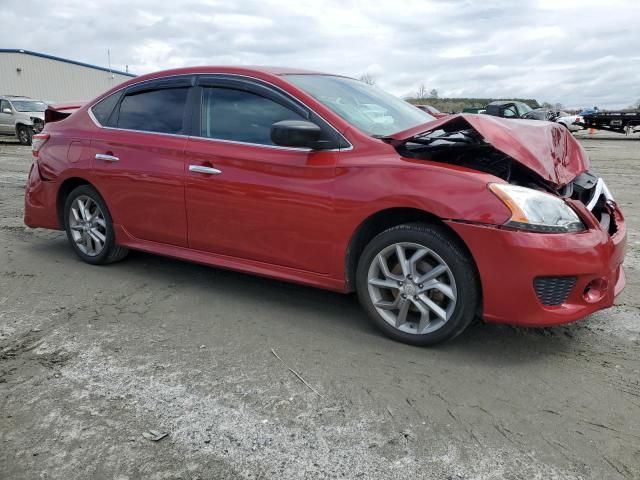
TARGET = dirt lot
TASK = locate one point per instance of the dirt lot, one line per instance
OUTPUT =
(92, 357)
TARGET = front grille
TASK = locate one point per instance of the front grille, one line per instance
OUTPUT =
(553, 290)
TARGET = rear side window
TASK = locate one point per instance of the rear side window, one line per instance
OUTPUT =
(241, 116)
(104, 108)
(159, 111)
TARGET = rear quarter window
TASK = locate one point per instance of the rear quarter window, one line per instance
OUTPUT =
(104, 108)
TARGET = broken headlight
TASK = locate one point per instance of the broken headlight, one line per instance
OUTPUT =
(536, 211)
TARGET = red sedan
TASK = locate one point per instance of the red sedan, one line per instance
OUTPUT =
(324, 180)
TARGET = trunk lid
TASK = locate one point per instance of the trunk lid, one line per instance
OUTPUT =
(60, 111)
(546, 148)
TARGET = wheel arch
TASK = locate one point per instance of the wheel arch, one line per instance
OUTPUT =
(382, 220)
(66, 187)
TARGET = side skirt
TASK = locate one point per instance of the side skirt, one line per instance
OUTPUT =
(125, 239)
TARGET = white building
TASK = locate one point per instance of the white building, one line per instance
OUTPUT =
(53, 79)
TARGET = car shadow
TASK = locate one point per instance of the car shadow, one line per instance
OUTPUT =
(341, 314)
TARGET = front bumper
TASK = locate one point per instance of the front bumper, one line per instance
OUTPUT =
(509, 261)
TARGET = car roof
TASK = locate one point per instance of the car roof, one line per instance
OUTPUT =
(503, 102)
(16, 97)
(249, 70)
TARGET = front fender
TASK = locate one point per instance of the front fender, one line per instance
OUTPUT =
(449, 193)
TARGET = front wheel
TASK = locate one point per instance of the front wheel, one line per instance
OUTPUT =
(89, 227)
(418, 284)
(24, 135)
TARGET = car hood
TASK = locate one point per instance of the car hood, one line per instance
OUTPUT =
(546, 148)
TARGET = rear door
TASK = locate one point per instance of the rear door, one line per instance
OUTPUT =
(138, 159)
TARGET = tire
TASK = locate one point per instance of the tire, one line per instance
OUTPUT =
(24, 134)
(85, 231)
(455, 291)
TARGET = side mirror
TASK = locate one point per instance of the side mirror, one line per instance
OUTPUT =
(7, 110)
(297, 133)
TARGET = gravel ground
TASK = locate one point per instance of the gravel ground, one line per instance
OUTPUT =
(93, 357)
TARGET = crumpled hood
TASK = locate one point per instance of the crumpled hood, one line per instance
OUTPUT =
(546, 148)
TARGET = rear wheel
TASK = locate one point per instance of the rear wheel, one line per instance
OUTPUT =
(418, 284)
(24, 134)
(89, 227)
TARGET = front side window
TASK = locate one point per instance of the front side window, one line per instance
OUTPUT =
(160, 111)
(524, 108)
(367, 107)
(4, 104)
(240, 116)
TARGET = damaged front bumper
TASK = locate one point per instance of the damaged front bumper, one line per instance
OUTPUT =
(541, 280)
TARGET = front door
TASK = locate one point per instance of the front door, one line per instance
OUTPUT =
(250, 199)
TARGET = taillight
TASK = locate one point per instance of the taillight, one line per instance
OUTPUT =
(37, 141)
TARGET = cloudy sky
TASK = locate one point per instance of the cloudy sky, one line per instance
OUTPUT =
(576, 52)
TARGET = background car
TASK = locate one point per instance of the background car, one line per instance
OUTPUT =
(569, 122)
(21, 116)
(507, 109)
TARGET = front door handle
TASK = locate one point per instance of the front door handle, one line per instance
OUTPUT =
(106, 158)
(203, 169)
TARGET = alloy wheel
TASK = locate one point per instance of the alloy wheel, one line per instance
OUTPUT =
(88, 226)
(412, 288)
(23, 136)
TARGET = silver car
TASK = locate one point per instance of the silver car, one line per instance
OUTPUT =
(21, 117)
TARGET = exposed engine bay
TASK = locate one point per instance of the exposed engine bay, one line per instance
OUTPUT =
(467, 148)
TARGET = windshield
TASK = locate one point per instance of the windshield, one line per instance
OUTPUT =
(524, 108)
(29, 106)
(367, 107)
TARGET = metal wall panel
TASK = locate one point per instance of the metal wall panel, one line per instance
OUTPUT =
(53, 80)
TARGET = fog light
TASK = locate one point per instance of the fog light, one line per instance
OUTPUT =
(595, 290)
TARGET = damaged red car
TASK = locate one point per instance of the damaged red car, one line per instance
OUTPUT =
(326, 181)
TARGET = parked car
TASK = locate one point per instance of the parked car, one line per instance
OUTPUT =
(433, 111)
(570, 122)
(514, 109)
(21, 117)
(508, 109)
(283, 173)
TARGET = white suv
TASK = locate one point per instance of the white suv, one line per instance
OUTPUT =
(21, 117)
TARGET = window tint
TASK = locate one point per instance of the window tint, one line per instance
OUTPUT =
(154, 110)
(4, 104)
(103, 109)
(240, 116)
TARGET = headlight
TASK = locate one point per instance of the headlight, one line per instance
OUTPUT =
(536, 211)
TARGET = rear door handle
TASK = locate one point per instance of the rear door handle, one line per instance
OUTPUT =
(106, 158)
(203, 169)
